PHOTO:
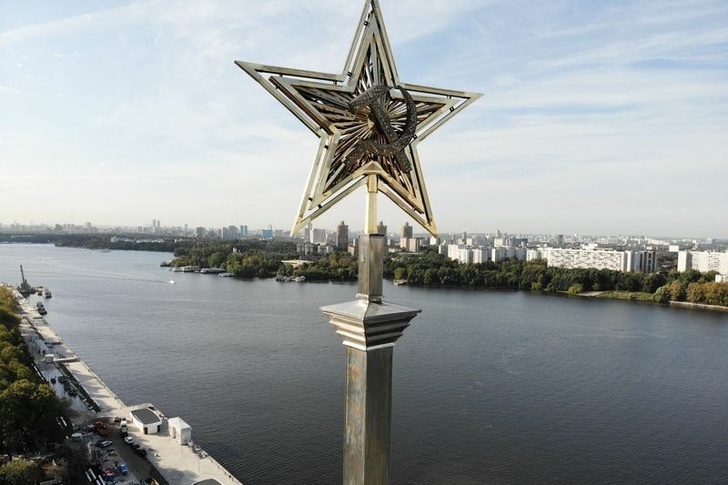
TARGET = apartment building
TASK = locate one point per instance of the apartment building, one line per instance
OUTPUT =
(703, 261)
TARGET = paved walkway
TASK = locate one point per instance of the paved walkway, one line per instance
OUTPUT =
(178, 464)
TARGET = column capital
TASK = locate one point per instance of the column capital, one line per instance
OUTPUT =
(368, 325)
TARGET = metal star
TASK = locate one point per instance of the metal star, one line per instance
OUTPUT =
(368, 121)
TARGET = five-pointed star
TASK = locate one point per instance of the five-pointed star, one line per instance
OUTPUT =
(368, 122)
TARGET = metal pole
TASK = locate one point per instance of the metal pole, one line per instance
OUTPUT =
(371, 211)
(369, 327)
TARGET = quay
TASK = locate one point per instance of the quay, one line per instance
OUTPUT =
(172, 458)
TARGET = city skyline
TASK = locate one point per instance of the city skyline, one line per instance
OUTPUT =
(596, 119)
(156, 228)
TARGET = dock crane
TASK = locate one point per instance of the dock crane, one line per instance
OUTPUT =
(24, 288)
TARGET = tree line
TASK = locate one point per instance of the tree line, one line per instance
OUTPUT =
(429, 268)
(28, 406)
(432, 269)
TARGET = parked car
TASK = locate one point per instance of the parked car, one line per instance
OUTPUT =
(106, 443)
(129, 440)
(139, 450)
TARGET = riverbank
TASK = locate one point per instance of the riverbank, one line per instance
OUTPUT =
(648, 298)
(92, 400)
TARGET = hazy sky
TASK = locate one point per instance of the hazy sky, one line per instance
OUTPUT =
(598, 117)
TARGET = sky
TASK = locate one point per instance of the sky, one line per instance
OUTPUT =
(598, 117)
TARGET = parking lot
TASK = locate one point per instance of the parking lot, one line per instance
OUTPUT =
(111, 457)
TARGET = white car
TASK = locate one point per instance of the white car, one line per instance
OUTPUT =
(128, 440)
(106, 443)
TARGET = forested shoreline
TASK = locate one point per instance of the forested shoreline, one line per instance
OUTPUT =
(428, 268)
(262, 258)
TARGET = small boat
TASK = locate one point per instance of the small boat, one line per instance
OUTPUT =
(47, 293)
(225, 275)
(171, 282)
(212, 271)
(40, 308)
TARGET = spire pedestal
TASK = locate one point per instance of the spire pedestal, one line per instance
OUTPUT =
(368, 327)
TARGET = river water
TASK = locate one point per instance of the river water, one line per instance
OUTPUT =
(489, 387)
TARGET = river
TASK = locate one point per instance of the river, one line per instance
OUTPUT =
(489, 387)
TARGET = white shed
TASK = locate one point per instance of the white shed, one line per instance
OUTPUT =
(147, 420)
(180, 431)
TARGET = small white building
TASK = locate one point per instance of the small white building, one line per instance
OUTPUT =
(147, 420)
(179, 431)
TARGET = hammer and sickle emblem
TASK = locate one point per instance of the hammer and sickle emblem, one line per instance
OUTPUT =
(396, 142)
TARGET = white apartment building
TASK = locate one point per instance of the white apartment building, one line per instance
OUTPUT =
(642, 261)
(480, 254)
(453, 251)
(501, 253)
(703, 261)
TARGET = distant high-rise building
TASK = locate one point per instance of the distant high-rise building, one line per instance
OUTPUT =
(411, 244)
(318, 236)
(405, 231)
(307, 232)
(381, 228)
(342, 236)
(230, 233)
(243, 231)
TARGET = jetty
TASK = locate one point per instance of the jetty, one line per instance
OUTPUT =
(173, 457)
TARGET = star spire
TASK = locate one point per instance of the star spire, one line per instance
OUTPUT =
(369, 123)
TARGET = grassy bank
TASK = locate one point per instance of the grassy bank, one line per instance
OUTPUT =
(627, 295)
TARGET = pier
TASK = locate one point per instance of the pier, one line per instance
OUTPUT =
(170, 461)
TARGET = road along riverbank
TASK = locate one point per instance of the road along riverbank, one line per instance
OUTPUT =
(170, 450)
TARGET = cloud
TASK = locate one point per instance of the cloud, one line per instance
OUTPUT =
(616, 103)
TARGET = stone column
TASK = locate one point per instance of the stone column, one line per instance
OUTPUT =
(368, 327)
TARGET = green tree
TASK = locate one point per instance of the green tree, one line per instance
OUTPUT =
(575, 289)
(20, 472)
(662, 295)
(28, 413)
